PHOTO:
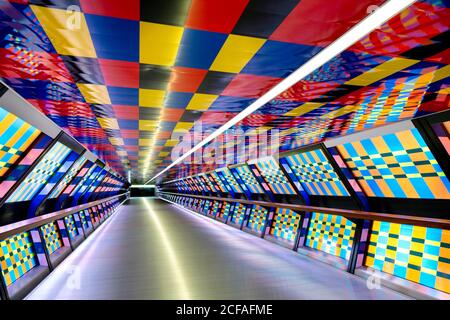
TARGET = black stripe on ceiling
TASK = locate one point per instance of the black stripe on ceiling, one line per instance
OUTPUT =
(84, 70)
(154, 77)
(436, 45)
(57, 4)
(173, 12)
(215, 82)
(262, 17)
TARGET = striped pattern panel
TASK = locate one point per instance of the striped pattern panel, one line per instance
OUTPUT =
(238, 214)
(16, 136)
(39, 176)
(315, 173)
(414, 253)
(17, 257)
(331, 234)
(274, 177)
(86, 180)
(285, 224)
(257, 218)
(249, 179)
(398, 165)
(71, 227)
(52, 238)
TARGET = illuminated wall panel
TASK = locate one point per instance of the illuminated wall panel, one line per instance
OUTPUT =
(443, 132)
(39, 176)
(228, 180)
(414, 253)
(274, 177)
(71, 227)
(331, 234)
(285, 224)
(16, 136)
(238, 214)
(249, 179)
(225, 211)
(218, 183)
(24, 164)
(397, 165)
(52, 238)
(17, 257)
(83, 177)
(315, 173)
(257, 218)
(68, 177)
(210, 181)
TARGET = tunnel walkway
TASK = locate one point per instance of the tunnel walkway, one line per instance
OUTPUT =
(151, 249)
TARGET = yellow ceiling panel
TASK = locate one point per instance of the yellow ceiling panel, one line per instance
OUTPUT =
(94, 93)
(382, 71)
(159, 43)
(108, 123)
(235, 53)
(201, 101)
(151, 98)
(304, 108)
(67, 38)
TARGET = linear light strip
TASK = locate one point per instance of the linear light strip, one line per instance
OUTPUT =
(357, 32)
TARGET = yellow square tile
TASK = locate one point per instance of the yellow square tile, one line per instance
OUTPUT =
(183, 126)
(171, 143)
(94, 93)
(201, 101)
(236, 52)
(148, 125)
(159, 43)
(108, 123)
(151, 98)
(381, 71)
(67, 37)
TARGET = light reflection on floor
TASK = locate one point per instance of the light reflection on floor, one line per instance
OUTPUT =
(154, 250)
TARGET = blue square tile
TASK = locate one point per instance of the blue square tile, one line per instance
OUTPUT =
(198, 49)
(124, 96)
(114, 38)
(279, 59)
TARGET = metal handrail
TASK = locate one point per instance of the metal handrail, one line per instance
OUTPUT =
(25, 225)
(356, 214)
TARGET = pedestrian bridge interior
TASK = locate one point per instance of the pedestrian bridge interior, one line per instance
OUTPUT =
(226, 149)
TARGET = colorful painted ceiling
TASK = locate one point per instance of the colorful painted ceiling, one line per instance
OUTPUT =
(129, 81)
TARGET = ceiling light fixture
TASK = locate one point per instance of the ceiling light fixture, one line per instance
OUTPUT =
(357, 32)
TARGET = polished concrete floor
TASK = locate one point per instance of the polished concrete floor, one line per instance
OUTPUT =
(154, 250)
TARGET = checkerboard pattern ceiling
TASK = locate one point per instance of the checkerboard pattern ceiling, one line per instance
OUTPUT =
(128, 79)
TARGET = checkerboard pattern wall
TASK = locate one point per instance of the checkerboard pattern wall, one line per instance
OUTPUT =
(225, 211)
(249, 179)
(17, 257)
(315, 173)
(257, 219)
(47, 167)
(414, 253)
(15, 137)
(238, 216)
(396, 165)
(285, 224)
(52, 238)
(71, 226)
(331, 234)
(275, 178)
